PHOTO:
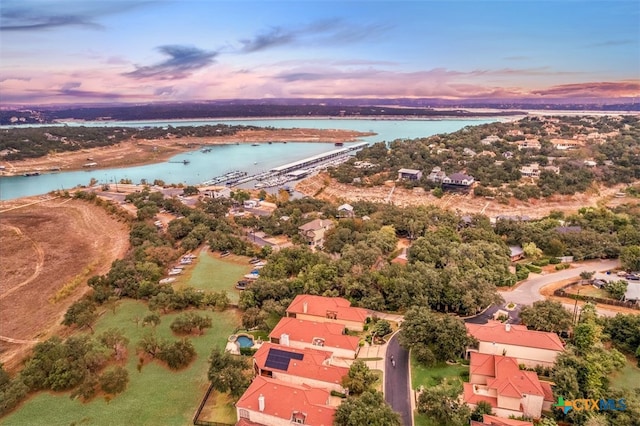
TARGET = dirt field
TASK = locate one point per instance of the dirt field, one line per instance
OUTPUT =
(323, 187)
(142, 151)
(48, 243)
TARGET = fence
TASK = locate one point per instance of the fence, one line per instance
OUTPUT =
(561, 293)
(197, 421)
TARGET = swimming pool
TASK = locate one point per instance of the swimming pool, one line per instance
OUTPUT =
(244, 341)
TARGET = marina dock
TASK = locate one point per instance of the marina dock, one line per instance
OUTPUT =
(288, 172)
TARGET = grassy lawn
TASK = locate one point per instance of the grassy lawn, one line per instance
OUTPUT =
(154, 396)
(213, 273)
(432, 376)
(628, 377)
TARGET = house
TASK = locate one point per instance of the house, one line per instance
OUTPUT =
(276, 403)
(565, 144)
(488, 420)
(490, 140)
(457, 181)
(299, 366)
(528, 144)
(532, 170)
(436, 175)
(345, 210)
(498, 380)
(528, 347)
(633, 292)
(515, 253)
(314, 231)
(327, 309)
(409, 174)
(301, 334)
(222, 192)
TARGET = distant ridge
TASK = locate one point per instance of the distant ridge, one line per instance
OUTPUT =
(331, 107)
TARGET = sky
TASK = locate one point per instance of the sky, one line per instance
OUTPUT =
(93, 51)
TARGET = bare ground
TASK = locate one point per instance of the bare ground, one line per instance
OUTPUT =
(46, 245)
(323, 187)
(144, 151)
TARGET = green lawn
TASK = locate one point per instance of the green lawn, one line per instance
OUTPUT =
(212, 273)
(154, 396)
(431, 376)
(628, 377)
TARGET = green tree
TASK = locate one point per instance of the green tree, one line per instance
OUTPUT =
(443, 335)
(227, 373)
(369, 409)
(630, 258)
(441, 404)
(82, 314)
(546, 315)
(531, 250)
(481, 409)
(114, 380)
(152, 319)
(177, 354)
(359, 379)
(115, 340)
(616, 289)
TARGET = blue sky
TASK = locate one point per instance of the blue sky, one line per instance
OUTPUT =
(54, 51)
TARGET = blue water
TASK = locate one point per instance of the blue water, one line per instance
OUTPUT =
(244, 341)
(224, 158)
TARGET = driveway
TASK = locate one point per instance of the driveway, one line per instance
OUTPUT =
(396, 380)
(528, 291)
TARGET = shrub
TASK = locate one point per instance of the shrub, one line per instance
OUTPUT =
(562, 266)
(542, 262)
(338, 394)
(554, 261)
(533, 268)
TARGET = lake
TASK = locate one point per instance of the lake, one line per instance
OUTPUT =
(224, 158)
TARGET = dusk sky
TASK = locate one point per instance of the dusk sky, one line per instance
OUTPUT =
(143, 51)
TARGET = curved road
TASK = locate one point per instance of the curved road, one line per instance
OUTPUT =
(396, 380)
(528, 291)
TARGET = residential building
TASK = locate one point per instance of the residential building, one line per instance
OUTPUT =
(345, 211)
(458, 180)
(272, 402)
(437, 175)
(528, 144)
(301, 334)
(532, 170)
(488, 420)
(490, 140)
(299, 366)
(565, 144)
(409, 174)
(327, 309)
(528, 347)
(516, 253)
(315, 230)
(499, 381)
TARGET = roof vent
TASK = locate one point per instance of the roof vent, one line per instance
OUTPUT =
(507, 327)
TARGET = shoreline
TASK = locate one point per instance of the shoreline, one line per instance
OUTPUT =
(142, 152)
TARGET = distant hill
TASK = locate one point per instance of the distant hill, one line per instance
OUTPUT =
(427, 108)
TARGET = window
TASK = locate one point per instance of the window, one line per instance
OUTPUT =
(244, 414)
(317, 341)
(332, 315)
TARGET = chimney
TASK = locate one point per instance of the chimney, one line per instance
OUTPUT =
(261, 403)
(304, 307)
(507, 327)
(284, 339)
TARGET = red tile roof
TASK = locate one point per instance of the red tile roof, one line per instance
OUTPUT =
(281, 399)
(508, 380)
(305, 331)
(313, 365)
(517, 335)
(498, 421)
(319, 305)
(472, 398)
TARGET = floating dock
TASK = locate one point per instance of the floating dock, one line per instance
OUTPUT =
(301, 164)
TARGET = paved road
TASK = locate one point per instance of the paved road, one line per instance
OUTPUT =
(396, 380)
(528, 291)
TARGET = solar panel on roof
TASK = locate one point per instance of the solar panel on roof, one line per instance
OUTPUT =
(279, 359)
